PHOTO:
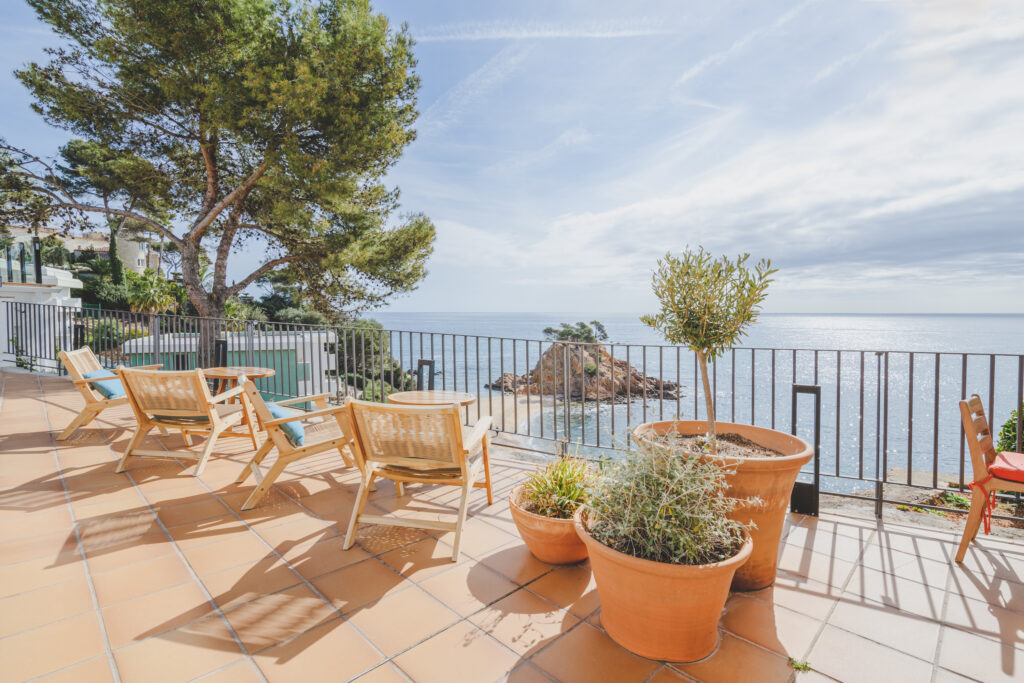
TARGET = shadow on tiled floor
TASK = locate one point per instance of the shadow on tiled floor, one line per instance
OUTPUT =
(156, 575)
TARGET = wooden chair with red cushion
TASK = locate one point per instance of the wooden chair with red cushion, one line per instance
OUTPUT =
(992, 471)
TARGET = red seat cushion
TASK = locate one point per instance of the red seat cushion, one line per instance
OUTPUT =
(1008, 466)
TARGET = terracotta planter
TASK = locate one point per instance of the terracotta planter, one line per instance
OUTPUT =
(657, 610)
(551, 540)
(770, 479)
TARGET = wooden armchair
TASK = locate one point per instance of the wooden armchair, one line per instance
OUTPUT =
(421, 444)
(286, 432)
(992, 471)
(179, 401)
(85, 371)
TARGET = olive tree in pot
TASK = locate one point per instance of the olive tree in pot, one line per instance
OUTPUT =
(706, 305)
(542, 509)
(663, 550)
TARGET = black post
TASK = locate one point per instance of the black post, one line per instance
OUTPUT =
(220, 353)
(429, 365)
(37, 255)
(804, 499)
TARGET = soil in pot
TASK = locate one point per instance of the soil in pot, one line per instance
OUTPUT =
(550, 539)
(730, 445)
(657, 610)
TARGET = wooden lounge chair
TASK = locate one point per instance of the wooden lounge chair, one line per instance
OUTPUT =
(179, 401)
(285, 431)
(992, 471)
(422, 444)
(99, 387)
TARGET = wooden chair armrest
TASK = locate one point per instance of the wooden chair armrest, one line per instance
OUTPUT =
(93, 379)
(469, 441)
(302, 399)
(225, 395)
(155, 366)
(305, 415)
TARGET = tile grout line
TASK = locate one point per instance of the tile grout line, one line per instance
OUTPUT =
(302, 579)
(78, 536)
(180, 555)
(842, 589)
(942, 623)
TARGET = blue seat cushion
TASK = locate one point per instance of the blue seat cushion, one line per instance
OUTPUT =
(110, 388)
(294, 431)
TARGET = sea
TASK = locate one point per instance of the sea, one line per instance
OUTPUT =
(889, 384)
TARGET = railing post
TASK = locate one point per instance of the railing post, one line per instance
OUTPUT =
(565, 392)
(804, 499)
(250, 342)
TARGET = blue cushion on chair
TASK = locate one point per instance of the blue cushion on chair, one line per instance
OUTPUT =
(295, 431)
(111, 388)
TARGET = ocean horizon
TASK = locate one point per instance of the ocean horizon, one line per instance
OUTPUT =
(987, 333)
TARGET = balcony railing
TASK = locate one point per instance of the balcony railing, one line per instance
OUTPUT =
(886, 416)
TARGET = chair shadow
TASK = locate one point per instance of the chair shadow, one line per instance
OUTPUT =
(290, 619)
(1008, 611)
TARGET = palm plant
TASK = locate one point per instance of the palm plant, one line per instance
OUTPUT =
(706, 305)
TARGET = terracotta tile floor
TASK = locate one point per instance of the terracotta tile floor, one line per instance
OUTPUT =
(155, 575)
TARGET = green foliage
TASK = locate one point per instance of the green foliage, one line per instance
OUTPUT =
(6, 238)
(373, 389)
(114, 259)
(300, 316)
(216, 124)
(557, 489)
(53, 251)
(659, 506)
(799, 665)
(236, 309)
(581, 332)
(956, 500)
(102, 291)
(706, 305)
(106, 334)
(1008, 434)
(590, 368)
(149, 293)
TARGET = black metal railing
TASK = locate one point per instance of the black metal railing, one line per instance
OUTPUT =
(886, 416)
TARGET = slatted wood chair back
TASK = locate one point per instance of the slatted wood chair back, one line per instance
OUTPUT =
(417, 437)
(78, 363)
(170, 396)
(979, 435)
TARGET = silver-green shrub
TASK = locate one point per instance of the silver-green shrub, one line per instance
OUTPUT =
(660, 506)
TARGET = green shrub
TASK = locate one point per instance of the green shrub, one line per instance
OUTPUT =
(106, 335)
(1008, 434)
(557, 489)
(658, 506)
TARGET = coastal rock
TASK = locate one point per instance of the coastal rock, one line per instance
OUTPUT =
(586, 372)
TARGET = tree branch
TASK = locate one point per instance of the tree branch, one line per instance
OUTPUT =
(259, 272)
(203, 223)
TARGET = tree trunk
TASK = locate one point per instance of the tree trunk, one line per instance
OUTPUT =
(709, 402)
(209, 305)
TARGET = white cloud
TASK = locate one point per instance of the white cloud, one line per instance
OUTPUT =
(449, 108)
(741, 44)
(506, 30)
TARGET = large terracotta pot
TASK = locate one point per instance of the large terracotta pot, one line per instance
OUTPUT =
(550, 539)
(658, 610)
(769, 479)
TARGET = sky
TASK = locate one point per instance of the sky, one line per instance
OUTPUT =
(872, 150)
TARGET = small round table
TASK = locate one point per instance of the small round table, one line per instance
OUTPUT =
(229, 378)
(431, 398)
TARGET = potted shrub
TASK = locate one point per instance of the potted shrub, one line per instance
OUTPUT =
(706, 305)
(542, 508)
(663, 550)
